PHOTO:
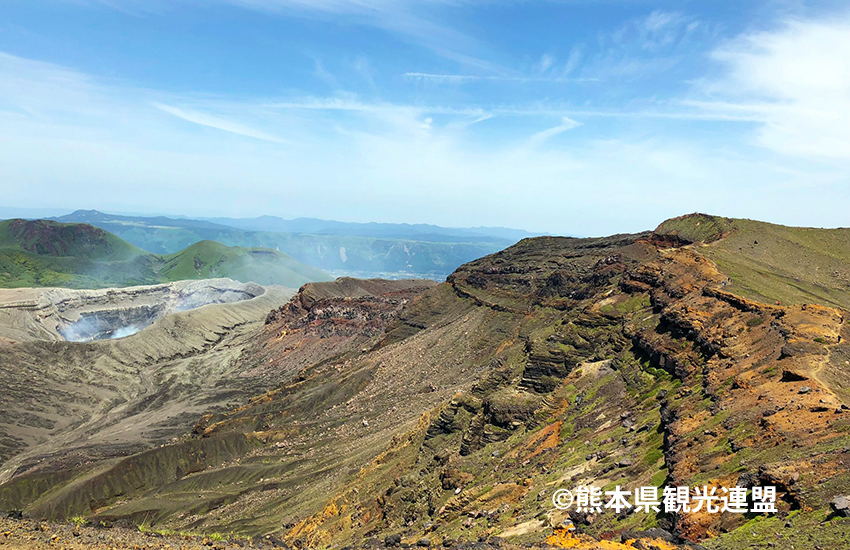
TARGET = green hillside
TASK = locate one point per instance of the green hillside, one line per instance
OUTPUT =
(82, 241)
(769, 262)
(209, 259)
(75, 255)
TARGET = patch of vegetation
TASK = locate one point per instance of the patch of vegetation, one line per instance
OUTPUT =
(653, 456)
(755, 321)
(808, 530)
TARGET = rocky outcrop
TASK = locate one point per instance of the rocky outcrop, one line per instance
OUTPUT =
(345, 307)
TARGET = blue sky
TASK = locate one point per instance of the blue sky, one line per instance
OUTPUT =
(573, 117)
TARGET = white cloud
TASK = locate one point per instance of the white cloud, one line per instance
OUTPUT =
(794, 81)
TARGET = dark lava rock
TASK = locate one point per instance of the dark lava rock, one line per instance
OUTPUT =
(579, 518)
(791, 376)
(747, 480)
(392, 540)
(275, 542)
(424, 542)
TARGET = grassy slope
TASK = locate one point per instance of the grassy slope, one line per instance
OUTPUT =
(81, 241)
(770, 263)
(46, 253)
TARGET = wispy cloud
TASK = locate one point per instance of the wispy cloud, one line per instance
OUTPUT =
(365, 70)
(324, 75)
(466, 78)
(545, 63)
(644, 47)
(660, 29)
(572, 61)
(135, 8)
(415, 20)
(211, 121)
(540, 138)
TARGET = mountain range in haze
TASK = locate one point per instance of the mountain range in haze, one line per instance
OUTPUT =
(341, 248)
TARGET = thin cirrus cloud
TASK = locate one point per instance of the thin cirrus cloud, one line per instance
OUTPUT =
(540, 138)
(218, 123)
(414, 20)
(465, 78)
(645, 47)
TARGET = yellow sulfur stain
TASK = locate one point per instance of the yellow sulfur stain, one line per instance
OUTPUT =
(563, 538)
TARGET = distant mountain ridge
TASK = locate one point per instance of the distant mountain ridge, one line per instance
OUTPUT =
(79, 255)
(95, 216)
(418, 231)
(362, 250)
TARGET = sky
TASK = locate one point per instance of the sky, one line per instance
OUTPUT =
(576, 117)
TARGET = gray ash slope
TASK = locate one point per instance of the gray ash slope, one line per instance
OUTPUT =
(66, 403)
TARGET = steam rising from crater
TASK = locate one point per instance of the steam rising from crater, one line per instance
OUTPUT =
(119, 313)
(103, 326)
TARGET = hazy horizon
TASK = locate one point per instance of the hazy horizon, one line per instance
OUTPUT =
(43, 213)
